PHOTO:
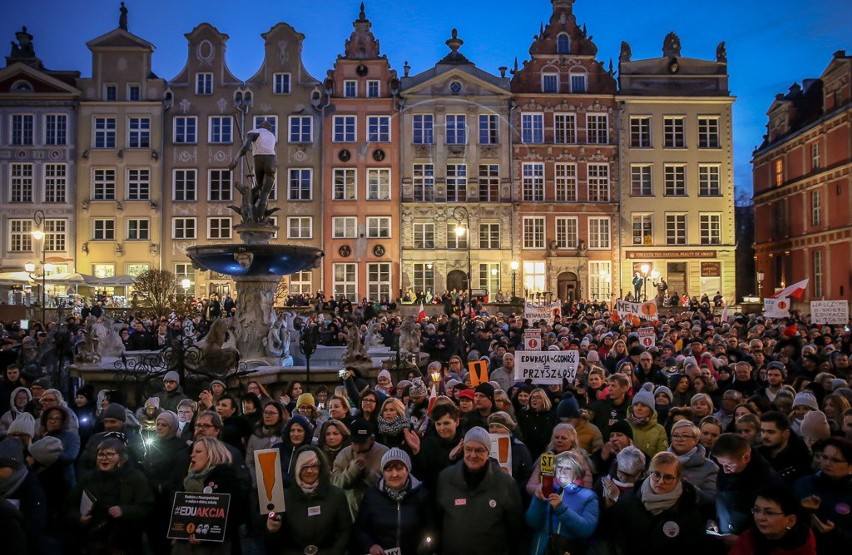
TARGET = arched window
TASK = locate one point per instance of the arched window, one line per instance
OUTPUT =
(22, 86)
(563, 44)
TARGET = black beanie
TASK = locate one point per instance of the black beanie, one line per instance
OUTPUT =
(486, 389)
(622, 427)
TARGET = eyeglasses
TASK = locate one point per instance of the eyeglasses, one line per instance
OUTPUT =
(368, 401)
(832, 460)
(476, 450)
(679, 437)
(107, 455)
(758, 511)
(665, 478)
(204, 426)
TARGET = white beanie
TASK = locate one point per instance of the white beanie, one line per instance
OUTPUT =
(805, 399)
(24, 424)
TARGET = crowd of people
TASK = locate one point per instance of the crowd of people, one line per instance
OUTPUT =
(722, 437)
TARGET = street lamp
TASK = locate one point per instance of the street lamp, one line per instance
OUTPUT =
(514, 265)
(760, 276)
(38, 235)
(461, 214)
(185, 283)
(604, 278)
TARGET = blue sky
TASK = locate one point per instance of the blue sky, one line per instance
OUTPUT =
(770, 44)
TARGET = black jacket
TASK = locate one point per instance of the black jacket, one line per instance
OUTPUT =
(388, 523)
(736, 493)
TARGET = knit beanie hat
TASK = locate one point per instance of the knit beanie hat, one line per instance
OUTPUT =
(115, 411)
(306, 399)
(645, 395)
(837, 383)
(451, 383)
(12, 453)
(478, 435)
(396, 454)
(220, 382)
(486, 389)
(622, 427)
(24, 424)
(172, 376)
(153, 402)
(815, 426)
(806, 399)
(593, 356)
(664, 391)
(47, 450)
(385, 374)
(418, 388)
(171, 419)
(503, 419)
(568, 408)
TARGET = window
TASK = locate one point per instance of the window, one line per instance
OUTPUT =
(55, 129)
(55, 182)
(301, 184)
(138, 184)
(134, 93)
(378, 183)
(489, 277)
(711, 229)
(489, 236)
(378, 129)
(643, 229)
(301, 283)
(203, 83)
(597, 129)
(424, 277)
(378, 227)
(20, 235)
(673, 132)
(103, 184)
(534, 277)
(533, 232)
(675, 229)
(219, 185)
(301, 129)
(184, 185)
(578, 83)
(103, 230)
(566, 233)
(22, 183)
(549, 83)
(599, 233)
(675, 180)
(456, 182)
(640, 180)
(344, 129)
(598, 182)
(779, 220)
(709, 184)
(456, 129)
(423, 126)
(424, 235)
(373, 88)
(378, 281)
(184, 271)
(185, 130)
(183, 228)
(489, 182)
(110, 93)
(489, 131)
(138, 230)
(815, 160)
(532, 128)
(563, 44)
(565, 128)
(533, 182)
(344, 184)
(344, 227)
(104, 132)
(22, 129)
(424, 182)
(350, 88)
(708, 132)
(280, 83)
(138, 132)
(816, 209)
(456, 240)
(819, 274)
(778, 168)
(299, 227)
(640, 131)
(599, 279)
(219, 130)
(55, 235)
(565, 182)
(137, 269)
(218, 228)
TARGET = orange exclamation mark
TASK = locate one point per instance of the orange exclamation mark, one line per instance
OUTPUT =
(267, 467)
(503, 449)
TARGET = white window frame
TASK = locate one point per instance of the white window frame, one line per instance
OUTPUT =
(55, 235)
(597, 182)
(641, 180)
(576, 86)
(710, 228)
(22, 129)
(532, 128)
(488, 188)
(378, 183)
(204, 83)
(103, 229)
(423, 182)
(455, 133)
(819, 273)
(55, 183)
(674, 132)
(640, 132)
(597, 128)
(374, 88)
(22, 183)
(378, 129)
(489, 236)
(344, 227)
(423, 126)
(300, 227)
(816, 208)
(567, 232)
(142, 229)
(533, 232)
(56, 129)
(676, 229)
(103, 184)
(345, 280)
(282, 83)
(489, 129)
(378, 280)
(138, 132)
(344, 184)
(379, 227)
(138, 184)
(344, 129)
(297, 132)
(424, 235)
(642, 227)
(550, 83)
(709, 132)
(216, 133)
(350, 88)
(565, 181)
(291, 173)
(301, 283)
(219, 228)
(219, 182)
(600, 234)
(456, 182)
(600, 276)
(189, 177)
(674, 180)
(185, 120)
(709, 180)
(532, 179)
(20, 235)
(186, 231)
(104, 129)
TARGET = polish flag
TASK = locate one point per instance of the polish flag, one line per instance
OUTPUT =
(797, 290)
(422, 314)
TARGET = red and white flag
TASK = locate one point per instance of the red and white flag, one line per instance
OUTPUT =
(797, 290)
(422, 314)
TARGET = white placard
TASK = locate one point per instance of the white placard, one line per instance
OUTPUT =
(501, 451)
(647, 337)
(270, 481)
(547, 312)
(776, 308)
(647, 310)
(532, 339)
(546, 367)
(830, 312)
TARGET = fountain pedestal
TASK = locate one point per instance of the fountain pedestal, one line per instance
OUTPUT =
(255, 314)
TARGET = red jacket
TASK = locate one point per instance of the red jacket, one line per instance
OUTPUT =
(745, 546)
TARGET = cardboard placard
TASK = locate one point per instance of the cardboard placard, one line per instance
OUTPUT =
(546, 367)
(478, 372)
(547, 312)
(270, 484)
(204, 515)
(547, 464)
(532, 339)
(647, 337)
(830, 312)
(776, 308)
(501, 451)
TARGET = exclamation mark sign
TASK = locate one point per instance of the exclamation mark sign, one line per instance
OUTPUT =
(267, 469)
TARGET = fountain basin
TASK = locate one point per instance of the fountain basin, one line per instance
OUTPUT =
(255, 260)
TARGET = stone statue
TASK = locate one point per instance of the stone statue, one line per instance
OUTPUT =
(122, 18)
(88, 353)
(24, 47)
(109, 343)
(721, 53)
(374, 338)
(409, 336)
(214, 357)
(355, 354)
(261, 142)
(626, 53)
(274, 339)
(671, 46)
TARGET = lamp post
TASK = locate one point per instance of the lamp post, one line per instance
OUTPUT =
(760, 276)
(461, 214)
(38, 235)
(514, 265)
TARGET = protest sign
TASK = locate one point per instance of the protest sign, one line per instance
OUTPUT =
(635, 311)
(547, 312)
(501, 451)
(478, 372)
(546, 367)
(647, 337)
(830, 312)
(203, 515)
(532, 339)
(270, 484)
(776, 308)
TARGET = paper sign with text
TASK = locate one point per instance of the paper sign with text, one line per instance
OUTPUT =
(547, 465)
(776, 308)
(646, 310)
(203, 515)
(532, 339)
(830, 312)
(547, 312)
(647, 337)
(270, 483)
(546, 367)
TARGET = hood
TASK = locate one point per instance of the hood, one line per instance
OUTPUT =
(69, 418)
(302, 421)
(325, 471)
(12, 398)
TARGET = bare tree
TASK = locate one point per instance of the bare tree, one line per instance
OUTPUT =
(156, 288)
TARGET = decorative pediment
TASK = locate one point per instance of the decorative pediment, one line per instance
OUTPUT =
(119, 38)
(458, 81)
(26, 79)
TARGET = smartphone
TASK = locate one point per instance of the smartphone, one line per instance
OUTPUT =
(711, 532)
(547, 485)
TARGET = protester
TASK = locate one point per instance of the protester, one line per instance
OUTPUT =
(779, 527)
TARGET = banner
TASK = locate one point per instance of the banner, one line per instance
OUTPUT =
(830, 312)
(546, 367)
(547, 312)
(270, 483)
(201, 514)
(501, 451)
(776, 308)
(631, 311)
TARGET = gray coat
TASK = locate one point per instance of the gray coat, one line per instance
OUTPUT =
(701, 472)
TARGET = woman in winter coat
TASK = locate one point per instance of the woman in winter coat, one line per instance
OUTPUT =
(536, 424)
(661, 514)
(780, 527)
(333, 437)
(297, 433)
(317, 514)
(696, 466)
(267, 432)
(121, 501)
(570, 510)
(19, 400)
(395, 512)
(648, 435)
(392, 423)
(564, 438)
(56, 423)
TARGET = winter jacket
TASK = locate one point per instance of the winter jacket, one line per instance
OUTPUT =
(70, 449)
(697, 469)
(736, 493)
(433, 458)
(170, 400)
(576, 518)
(29, 497)
(802, 544)
(355, 482)
(835, 501)
(650, 438)
(288, 450)
(479, 520)
(10, 415)
(262, 438)
(588, 436)
(606, 413)
(536, 429)
(535, 477)
(388, 523)
(165, 465)
(792, 462)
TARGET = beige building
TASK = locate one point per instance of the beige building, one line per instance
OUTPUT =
(455, 167)
(119, 152)
(676, 159)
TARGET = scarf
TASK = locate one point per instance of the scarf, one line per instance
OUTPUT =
(655, 503)
(392, 427)
(639, 422)
(306, 458)
(685, 458)
(194, 481)
(10, 485)
(395, 494)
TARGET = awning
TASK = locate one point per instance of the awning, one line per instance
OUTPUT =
(66, 279)
(15, 278)
(111, 281)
